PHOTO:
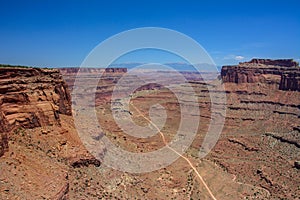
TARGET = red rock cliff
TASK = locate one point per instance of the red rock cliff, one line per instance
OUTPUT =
(285, 73)
(290, 80)
(31, 97)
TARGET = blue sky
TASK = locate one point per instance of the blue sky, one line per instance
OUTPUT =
(62, 33)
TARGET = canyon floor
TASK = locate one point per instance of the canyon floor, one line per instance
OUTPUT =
(254, 157)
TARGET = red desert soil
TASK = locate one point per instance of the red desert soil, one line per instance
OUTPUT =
(254, 157)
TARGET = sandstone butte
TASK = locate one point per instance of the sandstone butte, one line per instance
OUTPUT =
(285, 71)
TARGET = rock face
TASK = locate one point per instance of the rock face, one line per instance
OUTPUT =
(266, 90)
(285, 73)
(290, 80)
(31, 97)
(109, 77)
(3, 143)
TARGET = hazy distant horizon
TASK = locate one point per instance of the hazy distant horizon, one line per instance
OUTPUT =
(62, 33)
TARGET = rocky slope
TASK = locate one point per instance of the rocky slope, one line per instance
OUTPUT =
(265, 90)
(39, 145)
(261, 141)
(31, 97)
(109, 77)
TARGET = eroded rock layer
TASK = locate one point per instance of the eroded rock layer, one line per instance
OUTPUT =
(285, 73)
(39, 146)
(256, 156)
(31, 97)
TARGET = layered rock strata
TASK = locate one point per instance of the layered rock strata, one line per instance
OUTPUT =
(285, 73)
(31, 97)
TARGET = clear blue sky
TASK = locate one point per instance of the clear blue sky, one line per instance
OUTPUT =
(61, 33)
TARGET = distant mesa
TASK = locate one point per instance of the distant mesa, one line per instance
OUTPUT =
(115, 70)
(284, 72)
(91, 70)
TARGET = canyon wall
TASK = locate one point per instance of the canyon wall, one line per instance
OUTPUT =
(285, 73)
(74, 70)
(109, 77)
(263, 89)
(290, 80)
(262, 125)
(31, 97)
